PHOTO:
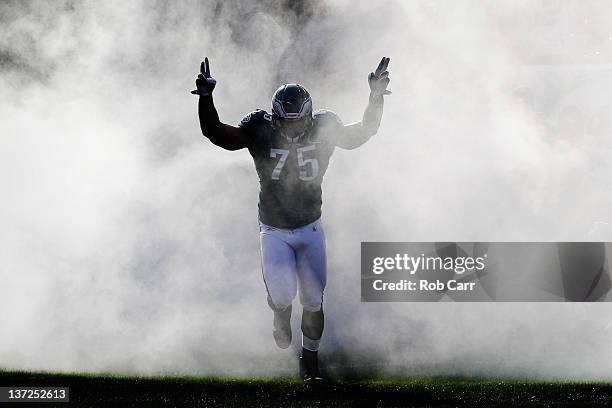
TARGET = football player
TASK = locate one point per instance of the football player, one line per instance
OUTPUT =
(291, 147)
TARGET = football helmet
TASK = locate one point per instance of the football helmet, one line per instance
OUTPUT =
(292, 111)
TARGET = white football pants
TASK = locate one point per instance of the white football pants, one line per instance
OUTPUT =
(293, 259)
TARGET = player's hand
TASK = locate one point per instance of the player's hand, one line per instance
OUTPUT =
(205, 82)
(379, 79)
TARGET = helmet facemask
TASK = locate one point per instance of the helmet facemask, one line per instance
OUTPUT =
(292, 129)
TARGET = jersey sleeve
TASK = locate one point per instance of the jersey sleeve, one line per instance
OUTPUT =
(330, 122)
(252, 121)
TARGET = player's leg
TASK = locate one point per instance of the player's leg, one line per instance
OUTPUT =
(278, 264)
(312, 277)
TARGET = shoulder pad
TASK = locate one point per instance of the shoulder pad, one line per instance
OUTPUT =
(254, 118)
(326, 118)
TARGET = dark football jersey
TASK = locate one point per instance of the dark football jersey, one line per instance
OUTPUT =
(290, 174)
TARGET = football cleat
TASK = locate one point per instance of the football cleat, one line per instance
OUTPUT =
(309, 366)
(282, 328)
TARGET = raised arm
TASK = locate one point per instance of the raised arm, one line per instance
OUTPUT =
(356, 134)
(226, 136)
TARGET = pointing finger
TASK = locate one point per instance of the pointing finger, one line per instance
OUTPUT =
(206, 68)
(386, 63)
(380, 67)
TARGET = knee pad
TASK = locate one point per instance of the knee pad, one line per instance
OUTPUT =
(312, 324)
(277, 308)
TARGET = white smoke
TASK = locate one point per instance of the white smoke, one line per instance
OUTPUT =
(129, 243)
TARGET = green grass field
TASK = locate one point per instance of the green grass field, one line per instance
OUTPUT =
(107, 390)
